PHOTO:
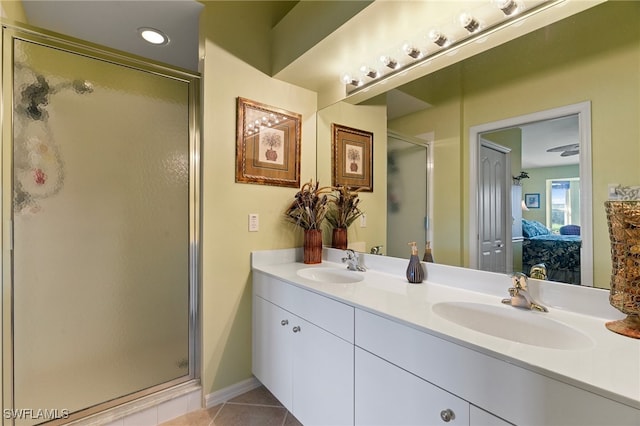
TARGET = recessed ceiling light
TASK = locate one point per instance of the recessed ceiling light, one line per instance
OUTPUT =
(153, 36)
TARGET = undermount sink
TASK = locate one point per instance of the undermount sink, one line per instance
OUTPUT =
(517, 325)
(331, 275)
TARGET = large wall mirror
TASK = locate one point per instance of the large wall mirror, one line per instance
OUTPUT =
(592, 57)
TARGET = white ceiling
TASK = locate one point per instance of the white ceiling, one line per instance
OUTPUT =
(115, 24)
(539, 137)
(400, 104)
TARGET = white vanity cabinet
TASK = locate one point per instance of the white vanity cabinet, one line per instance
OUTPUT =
(501, 389)
(374, 352)
(303, 351)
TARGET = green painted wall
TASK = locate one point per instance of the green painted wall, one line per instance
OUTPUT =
(13, 10)
(226, 242)
(444, 121)
(372, 118)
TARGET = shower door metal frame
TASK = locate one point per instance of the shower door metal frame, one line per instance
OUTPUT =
(13, 31)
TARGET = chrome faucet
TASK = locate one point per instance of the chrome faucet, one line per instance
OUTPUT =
(353, 261)
(376, 250)
(538, 271)
(520, 297)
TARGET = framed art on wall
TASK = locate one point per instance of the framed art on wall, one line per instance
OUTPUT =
(532, 201)
(351, 157)
(267, 145)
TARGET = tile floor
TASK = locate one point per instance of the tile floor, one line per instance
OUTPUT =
(257, 407)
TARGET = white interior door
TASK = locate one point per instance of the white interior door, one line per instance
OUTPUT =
(493, 206)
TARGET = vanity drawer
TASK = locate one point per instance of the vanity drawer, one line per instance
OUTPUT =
(387, 395)
(328, 314)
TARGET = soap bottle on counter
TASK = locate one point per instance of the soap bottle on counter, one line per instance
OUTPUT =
(415, 271)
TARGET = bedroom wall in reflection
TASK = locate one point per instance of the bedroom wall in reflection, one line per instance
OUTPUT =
(101, 215)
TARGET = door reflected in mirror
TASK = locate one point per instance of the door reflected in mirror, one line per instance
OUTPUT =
(533, 183)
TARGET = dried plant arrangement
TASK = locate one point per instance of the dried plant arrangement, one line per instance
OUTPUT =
(344, 208)
(309, 207)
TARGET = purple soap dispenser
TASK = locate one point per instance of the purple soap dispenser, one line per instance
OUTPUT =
(415, 271)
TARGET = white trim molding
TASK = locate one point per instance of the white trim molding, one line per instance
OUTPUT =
(225, 394)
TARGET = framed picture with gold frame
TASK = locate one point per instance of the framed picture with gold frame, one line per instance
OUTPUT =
(351, 157)
(267, 145)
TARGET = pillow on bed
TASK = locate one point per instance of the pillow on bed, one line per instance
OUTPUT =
(570, 230)
(533, 228)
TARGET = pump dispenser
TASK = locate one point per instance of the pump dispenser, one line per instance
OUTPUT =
(415, 271)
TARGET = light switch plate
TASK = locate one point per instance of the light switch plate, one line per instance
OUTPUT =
(254, 222)
(363, 221)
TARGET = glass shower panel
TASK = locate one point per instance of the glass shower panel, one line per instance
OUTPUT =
(406, 196)
(101, 268)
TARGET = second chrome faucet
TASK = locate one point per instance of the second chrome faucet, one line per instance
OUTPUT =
(520, 297)
(353, 261)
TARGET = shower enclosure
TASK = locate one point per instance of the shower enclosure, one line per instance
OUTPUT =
(99, 228)
(409, 166)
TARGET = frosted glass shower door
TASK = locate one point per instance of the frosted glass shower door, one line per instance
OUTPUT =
(102, 229)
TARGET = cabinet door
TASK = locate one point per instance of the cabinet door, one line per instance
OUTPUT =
(388, 395)
(478, 417)
(322, 377)
(272, 346)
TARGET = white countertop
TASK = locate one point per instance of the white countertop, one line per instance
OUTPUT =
(610, 367)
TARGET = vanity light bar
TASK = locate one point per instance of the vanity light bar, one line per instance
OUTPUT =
(254, 126)
(472, 25)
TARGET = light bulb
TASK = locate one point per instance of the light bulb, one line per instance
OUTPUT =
(348, 79)
(412, 51)
(389, 61)
(438, 38)
(508, 7)
(469, 22)
(153, 36)
(368, 71)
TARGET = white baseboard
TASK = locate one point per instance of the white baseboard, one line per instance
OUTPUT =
(225, 394)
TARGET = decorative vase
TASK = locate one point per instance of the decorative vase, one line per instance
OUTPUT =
(339, 238)
(312, 246)
(271, 154)
(354, 166)
(623, 218)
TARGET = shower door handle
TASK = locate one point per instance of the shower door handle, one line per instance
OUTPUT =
(10, 225)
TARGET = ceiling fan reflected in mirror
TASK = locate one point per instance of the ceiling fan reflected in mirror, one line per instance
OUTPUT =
(566, 150)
